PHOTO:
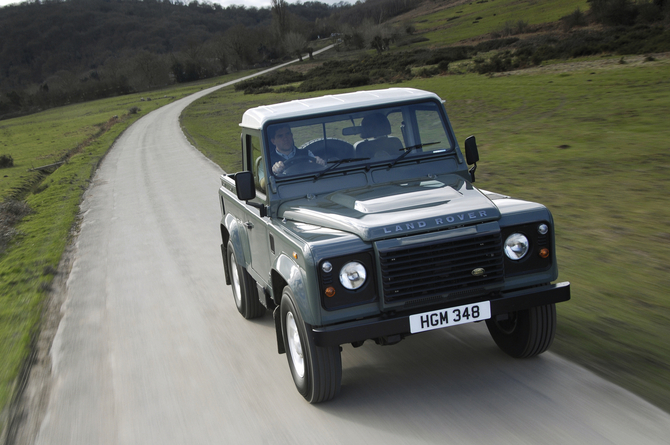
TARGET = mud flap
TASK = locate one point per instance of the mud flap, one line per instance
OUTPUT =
(225, 263)
(280, 337)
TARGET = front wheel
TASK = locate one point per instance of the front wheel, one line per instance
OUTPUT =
(524, 333)
(316, 370)
(244, 288)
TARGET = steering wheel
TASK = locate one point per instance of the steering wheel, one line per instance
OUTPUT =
(300, 164)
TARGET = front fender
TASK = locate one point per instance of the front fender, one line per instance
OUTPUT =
(294, 276)
(239, 239)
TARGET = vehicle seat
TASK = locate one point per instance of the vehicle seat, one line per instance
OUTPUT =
(376, 129)
(259, 174)
(329, 148)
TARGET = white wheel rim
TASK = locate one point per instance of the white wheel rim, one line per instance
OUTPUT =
(237, 290)
(294, 345)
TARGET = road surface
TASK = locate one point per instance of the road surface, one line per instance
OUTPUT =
(151, 349)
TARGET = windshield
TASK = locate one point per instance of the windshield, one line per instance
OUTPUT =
(388, 135)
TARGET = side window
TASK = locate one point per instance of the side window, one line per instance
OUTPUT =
(257, 162)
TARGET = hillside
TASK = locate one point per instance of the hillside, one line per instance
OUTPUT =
(58, 52)
(62, 52)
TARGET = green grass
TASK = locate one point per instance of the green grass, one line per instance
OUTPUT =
(591, 142)
(27, 267)
(442, 28)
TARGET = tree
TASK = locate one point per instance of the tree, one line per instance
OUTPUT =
(295, 43)
(150, 71)
(281, 22)
(237, 39)
(218, 50)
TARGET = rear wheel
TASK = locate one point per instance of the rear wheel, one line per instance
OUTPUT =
(524, 333)
(316, 370)
(244, 288)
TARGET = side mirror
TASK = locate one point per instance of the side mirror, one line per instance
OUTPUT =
(471, 155)
(246, 190)
(244, 186)
(471, 152)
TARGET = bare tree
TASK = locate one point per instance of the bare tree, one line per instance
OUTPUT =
(237, 39)
(281, 22)
(218, 50)
(295, 43)
(150, 70)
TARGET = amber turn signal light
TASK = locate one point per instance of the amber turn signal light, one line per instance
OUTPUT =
(330, 292)
(544, 253)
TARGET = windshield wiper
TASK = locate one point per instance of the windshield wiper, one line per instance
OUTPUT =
(408, 150)
(336, 164)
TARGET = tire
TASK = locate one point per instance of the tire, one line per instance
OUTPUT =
(244, 288)
(316, 370)
(525, 333)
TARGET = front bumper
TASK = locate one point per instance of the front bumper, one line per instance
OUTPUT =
(398, 324)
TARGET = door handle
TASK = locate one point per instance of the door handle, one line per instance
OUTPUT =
(248, 225)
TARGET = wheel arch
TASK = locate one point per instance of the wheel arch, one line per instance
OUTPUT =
(287, 272)
(237, 235)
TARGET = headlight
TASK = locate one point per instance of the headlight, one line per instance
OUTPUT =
(516, 246)
(352, 275)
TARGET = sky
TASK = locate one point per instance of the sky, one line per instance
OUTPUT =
(256, 3)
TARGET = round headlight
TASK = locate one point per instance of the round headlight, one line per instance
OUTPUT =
(516, 246)
(352, 275)
(542, 229)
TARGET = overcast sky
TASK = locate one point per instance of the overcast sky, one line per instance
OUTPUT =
(256, 3)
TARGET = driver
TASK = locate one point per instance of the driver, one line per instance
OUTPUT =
(282, 138)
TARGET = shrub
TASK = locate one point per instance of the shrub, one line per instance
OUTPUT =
(428, 71)
(335, 81)
(451, 54)
(497, 64)
(614, 12)
(649, 13)
(281, 77)
(133, 110)
(576, 18)
(522, 26)
(6, 161)
(511, 28)
(443, 66)
(258, 90)
(490, 45)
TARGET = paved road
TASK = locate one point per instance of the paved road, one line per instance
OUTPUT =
(151, 350)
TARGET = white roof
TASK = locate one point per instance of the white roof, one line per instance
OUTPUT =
(256, 117)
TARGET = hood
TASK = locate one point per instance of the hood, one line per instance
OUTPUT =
(395, 209)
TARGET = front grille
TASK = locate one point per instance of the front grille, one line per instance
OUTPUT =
(442, 268)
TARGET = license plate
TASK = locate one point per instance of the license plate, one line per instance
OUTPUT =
(452, 316)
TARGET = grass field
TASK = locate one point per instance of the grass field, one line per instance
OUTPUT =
(80, 135)
(591, 141)
(468, 20)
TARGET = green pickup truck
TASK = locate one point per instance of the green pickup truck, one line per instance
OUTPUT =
(355, 218)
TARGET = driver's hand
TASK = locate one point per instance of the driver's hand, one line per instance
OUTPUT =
(319, 160)
(278, 167)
